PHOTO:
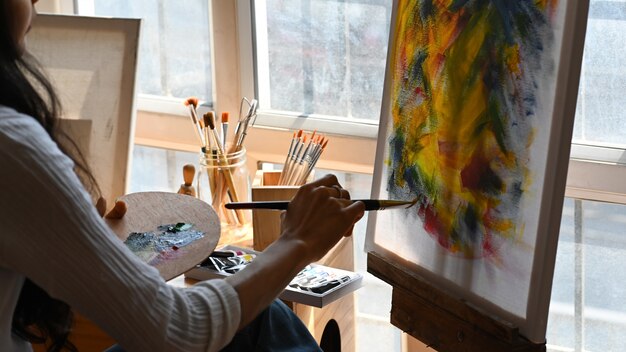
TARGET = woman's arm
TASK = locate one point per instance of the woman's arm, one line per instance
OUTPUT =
(52, 234)
(317, 218)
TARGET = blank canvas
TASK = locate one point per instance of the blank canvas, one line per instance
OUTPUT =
(92, 63)
(476, 123)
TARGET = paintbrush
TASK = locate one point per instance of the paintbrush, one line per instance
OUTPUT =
(308, 161)
(295, 176)
(192, 104)
(209, 119)
(370, 204)
(295, 142)
(224, 128)
(311, 159)
(294, 161)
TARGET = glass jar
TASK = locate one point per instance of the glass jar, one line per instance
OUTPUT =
(224, 179)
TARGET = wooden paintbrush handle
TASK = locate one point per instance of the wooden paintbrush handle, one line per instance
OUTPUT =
(189, 172)
(228, 176)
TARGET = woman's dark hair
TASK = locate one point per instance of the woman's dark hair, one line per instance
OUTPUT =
(38, 318)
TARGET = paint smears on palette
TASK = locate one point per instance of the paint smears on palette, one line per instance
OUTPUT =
(167, 241)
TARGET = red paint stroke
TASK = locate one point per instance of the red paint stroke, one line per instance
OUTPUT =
(473, 172)
(433, 226)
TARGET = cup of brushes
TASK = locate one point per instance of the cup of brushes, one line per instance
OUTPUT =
(223, 176)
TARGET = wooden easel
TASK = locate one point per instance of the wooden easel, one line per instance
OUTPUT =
(441, 321)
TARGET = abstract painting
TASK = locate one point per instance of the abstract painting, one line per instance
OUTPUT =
(467, 128)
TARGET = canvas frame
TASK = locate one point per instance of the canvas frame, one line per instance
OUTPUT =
(534, 325)
(92, 63)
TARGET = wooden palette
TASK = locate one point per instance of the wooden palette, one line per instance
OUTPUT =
(149, 210)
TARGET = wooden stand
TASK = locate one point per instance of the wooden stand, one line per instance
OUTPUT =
(266, 223)
(438, 319)
(266, 227)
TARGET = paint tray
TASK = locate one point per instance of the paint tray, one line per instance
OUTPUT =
(316, 285)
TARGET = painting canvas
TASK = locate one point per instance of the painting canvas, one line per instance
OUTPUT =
(475, 126)
(96, 85)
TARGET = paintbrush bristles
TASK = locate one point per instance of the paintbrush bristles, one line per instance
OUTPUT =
(209, 119)
(225, 117)
(191, 104)
(192, 101)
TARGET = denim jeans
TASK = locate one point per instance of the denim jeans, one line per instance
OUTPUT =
(277, 328)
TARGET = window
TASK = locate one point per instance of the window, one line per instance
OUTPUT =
(600, 111)
(600, 128)
(587, 311)
(175, 49)
(324, 60)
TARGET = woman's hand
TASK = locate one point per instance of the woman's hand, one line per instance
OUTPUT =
(319, 215)
(316, 219)
(118, 211)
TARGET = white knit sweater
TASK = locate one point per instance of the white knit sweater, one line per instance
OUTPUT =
(51, 233)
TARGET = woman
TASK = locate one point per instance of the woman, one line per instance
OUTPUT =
(56, 251)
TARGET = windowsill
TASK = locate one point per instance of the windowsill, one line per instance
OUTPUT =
(270, 144)
(155, 104)
(598, 153)
(324, 124)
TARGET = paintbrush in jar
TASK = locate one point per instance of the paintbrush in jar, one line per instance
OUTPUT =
(225, 117)
(209, 119)
(192, 105)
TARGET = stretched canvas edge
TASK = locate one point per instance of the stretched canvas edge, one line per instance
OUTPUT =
(370, 230)
(566, 93)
